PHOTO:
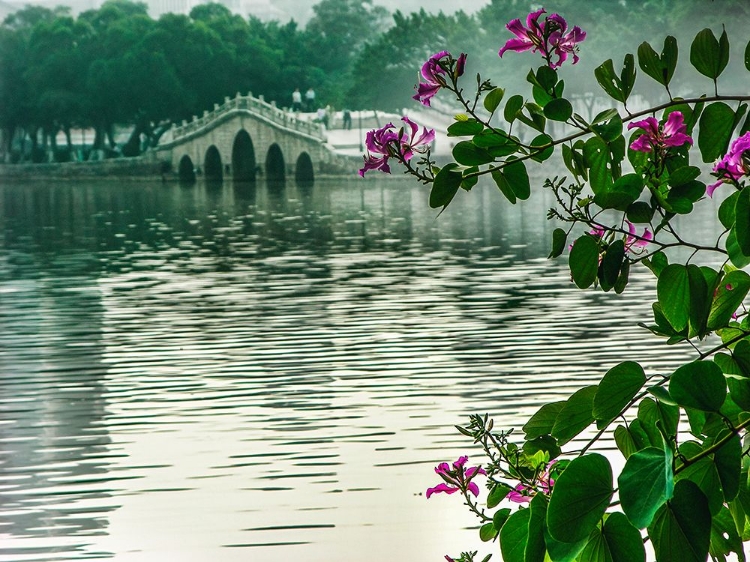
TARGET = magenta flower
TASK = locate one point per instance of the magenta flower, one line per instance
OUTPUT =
(415, 142)
(549, 37)
(456, 478)
(523, 493)
(386, 142)
(637, 241)
(433, 74)
(672, 133)
(734, 165)
(631, 240)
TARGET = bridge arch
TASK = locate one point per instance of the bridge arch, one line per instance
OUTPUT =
(212, 167)
(186, 170)
(243, 157)
(275, 165)
(304, 173)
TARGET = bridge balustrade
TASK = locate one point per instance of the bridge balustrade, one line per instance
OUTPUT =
(256, 105)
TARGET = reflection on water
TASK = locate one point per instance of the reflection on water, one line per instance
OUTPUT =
(233, 373)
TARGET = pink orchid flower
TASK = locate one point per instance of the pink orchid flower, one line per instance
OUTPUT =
(433, 75)
(672, 133)
(734, 165)
(386, 142)
(456, 478)
(549, 37)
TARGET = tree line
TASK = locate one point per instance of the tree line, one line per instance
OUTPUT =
(117, 66)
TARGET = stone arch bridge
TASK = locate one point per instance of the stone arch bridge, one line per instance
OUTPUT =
(247, 137)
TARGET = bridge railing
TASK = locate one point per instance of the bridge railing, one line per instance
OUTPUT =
(256, 105)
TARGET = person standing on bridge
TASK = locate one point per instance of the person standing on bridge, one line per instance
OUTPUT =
(310, 99)
(296, 100)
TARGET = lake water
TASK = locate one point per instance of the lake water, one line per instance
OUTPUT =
(218, 373)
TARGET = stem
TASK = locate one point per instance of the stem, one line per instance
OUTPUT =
(713, 448)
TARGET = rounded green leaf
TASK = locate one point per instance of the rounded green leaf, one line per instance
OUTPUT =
(575, 416)
(716, 126)
(466, 128)
(728, 461)
(580, 497)
(518, 179)
(493, 99)
(584, 261)
(487, 532)
(544, 153)
(742, 221)
(512, 107)
(468, 154)
(673, 292)
(708, 55)
(514, 535)
(681, 529)
(444, 188)
(646, 482)
(542, 422)
(559, 238)
(558, 109)
(623, 540)
(700, 385)
(729, 295)
(500, 517)
(618, 386)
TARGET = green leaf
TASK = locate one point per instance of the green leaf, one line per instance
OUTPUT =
(659, 67)
(467, 128)
(724, 537)
(742, 221)
(747, 56)
(728, 461)
(535, 547)
(617, 388)
(640, 212)
(700, 300)
(708, 55)
(623, 540)
(673, 292)
(596, 156)
(468, 154)
(683, 175)
(625, 442)
(584, 261)
(446, 184)
(716, 126)
(703, 473)
(739, 390)
(487, 532)
(542, 422)
(559, 238)
(537, 144)
(546, 77)
(621, 194)
(727, 209)
(681, 529)
(496, 495)
(736, 256)
(575, 416)
(728, 297)
(700, 385)
(512, 107)
(514, 535)
(518, 179)
(493, 99)
(608, 80)
(504, 186)
(500, 517)
(646, 482)
(609, 268)
(558, 109)
(580, 497)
